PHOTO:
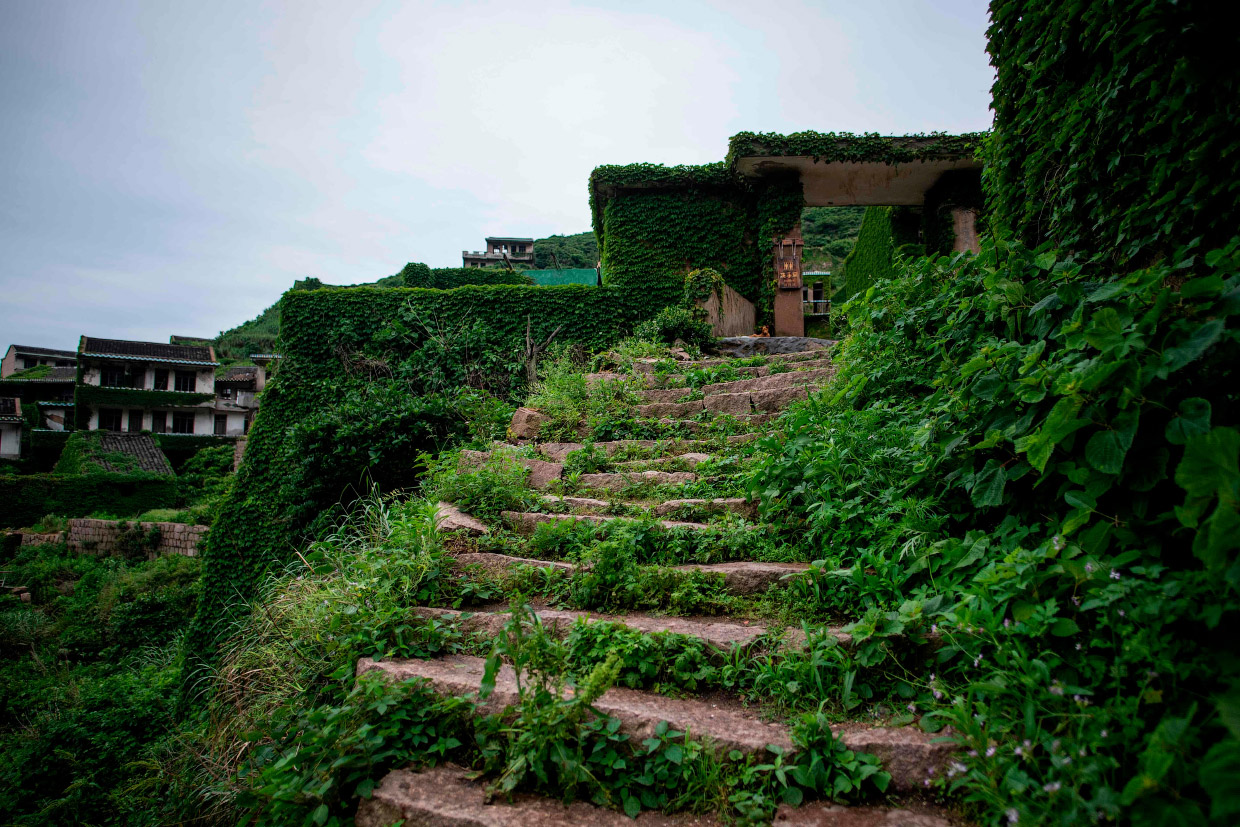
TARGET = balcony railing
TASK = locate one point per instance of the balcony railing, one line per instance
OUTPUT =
(817, 308)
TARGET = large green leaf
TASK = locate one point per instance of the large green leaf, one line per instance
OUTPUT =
(1211, 463)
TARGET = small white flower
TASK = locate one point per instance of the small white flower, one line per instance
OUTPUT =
(990, 752)
(1052, 787)
(1082, 752)
(1089, 568)
(937, 694)
(1122, 613)
(926, 783)
(1019, 751)
(1078, 647)
(972, 753)
(1058, 542)
(1056, 689)
(1007, 621)
(1103, 734)
(1114, 574)
(1012, 816)
(1076, 601)
(912, 707)
(934, 628)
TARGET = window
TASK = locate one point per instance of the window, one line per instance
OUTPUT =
(28, 363)
(186, 380)
(63, 363)
(160, 382)
(113, 376)
(182, 423)
(245, 425)
(221, 424)
(135, 421)
(109, 419)
(226, 393)
(159, 422)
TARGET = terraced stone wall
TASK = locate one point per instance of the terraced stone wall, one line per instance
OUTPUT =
(102, 536)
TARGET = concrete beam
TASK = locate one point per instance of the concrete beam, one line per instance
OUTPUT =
(850, 183)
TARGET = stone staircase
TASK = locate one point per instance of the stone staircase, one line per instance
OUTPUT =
(648, 480)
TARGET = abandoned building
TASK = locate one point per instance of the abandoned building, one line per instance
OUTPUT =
(517, 251)
(10, 427)
(24, 357)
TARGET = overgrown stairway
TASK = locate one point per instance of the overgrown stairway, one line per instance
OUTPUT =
(685, 487)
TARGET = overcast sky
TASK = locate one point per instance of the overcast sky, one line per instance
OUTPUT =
(172, 167)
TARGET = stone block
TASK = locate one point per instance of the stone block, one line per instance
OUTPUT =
(449, 518)
(558, 451)
(778, 398)
(736, 404)
(672, 409)
(526, 423)
(542, 473)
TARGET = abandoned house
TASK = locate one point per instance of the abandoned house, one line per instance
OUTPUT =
(517, 251)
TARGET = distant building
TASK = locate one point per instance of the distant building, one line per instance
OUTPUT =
(145, 386)
(42, 379)
(24, 357)
(520, 251)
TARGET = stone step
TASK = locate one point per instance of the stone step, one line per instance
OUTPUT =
(559, 451)
(740, 506)
(542, 472)
(620, 481)
(791, 379)
(909, 754)
(449, 518)
(691, 459)
(739, 577)
(526, 522)
(719, 505)
(450, 796)
(721, 634)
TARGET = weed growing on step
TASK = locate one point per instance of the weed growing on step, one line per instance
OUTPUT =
(500, 483)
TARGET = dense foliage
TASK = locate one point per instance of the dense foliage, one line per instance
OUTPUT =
(28, 497)
(883, 232)
(1055, 453)
(566, 252)
(87, 688)
(416, 274)
(844, 146)
(372, 378)
(1115, 126)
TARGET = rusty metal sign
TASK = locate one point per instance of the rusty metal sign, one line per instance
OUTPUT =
(788, 261)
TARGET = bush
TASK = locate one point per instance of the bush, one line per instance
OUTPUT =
(676, 322)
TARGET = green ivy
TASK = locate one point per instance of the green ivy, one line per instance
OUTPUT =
(29, 497)
(883, 230)
(1115, 125)
(416, 274)
(825, 147)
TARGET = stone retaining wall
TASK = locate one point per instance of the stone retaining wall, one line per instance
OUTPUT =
(43, 539)
(100, 536)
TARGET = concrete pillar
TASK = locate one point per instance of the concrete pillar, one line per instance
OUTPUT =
(964, 227)
(789, 316)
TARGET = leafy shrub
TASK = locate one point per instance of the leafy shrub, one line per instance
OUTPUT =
(500, 483)
(675, 322)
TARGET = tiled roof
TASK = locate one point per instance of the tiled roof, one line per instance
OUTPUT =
(508, 238)
(147, 350)
(140, 446)
(189, 340)
(245, 375)
(45, 351)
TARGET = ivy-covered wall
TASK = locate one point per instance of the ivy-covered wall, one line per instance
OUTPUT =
(370, 379)
(416, 274)
(29, 497)
(1115, 125)
(883, 231)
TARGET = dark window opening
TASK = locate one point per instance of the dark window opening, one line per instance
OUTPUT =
(160, 382)
(245, 425)
(221, 424)
(135, 421)
(226, 393)
(186, 380)
(182, 423)
(159, 422)
(109, 419)
(111, 376)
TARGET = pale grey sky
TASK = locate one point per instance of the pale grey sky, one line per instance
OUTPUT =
(172, 167)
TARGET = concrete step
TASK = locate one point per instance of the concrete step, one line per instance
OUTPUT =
(820, 814)
(909, 754)
(450, 796)
(791, 379)
(739, 577)
(542, 472)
